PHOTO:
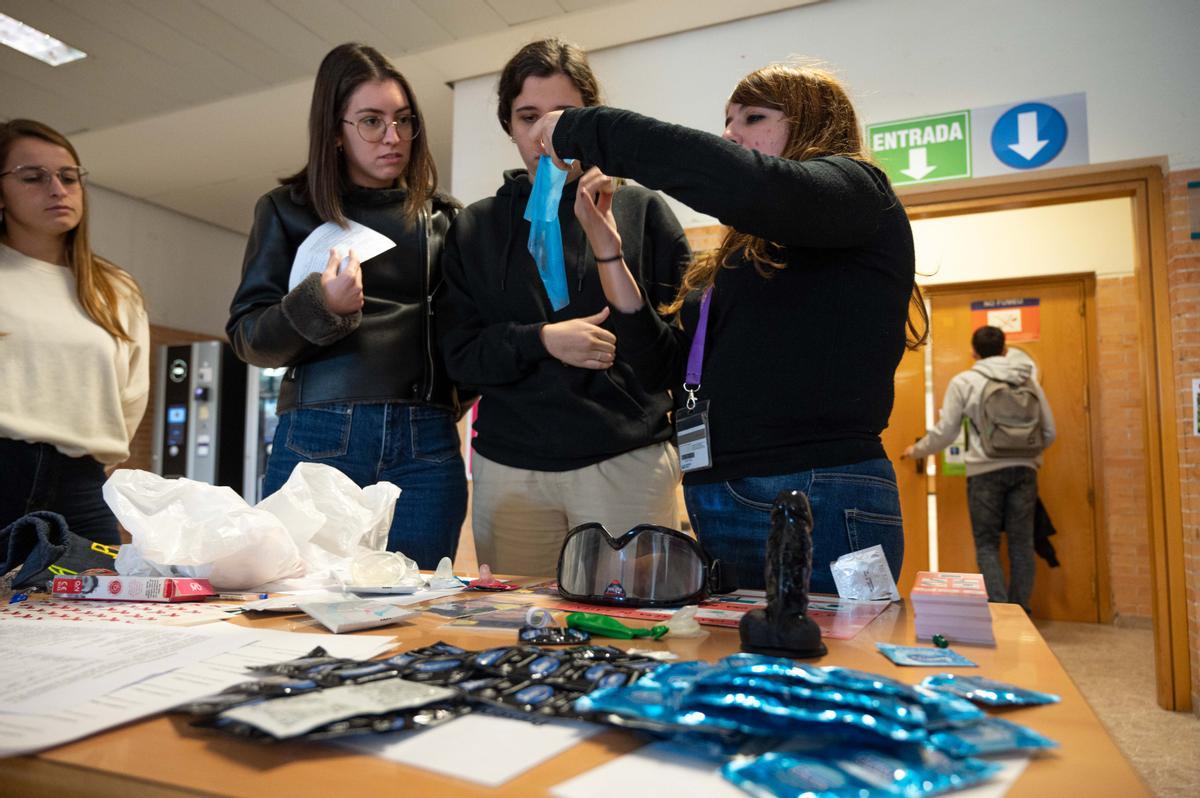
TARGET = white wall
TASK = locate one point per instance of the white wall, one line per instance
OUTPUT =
(188, 270)
(1137, 62)
(1092, 237)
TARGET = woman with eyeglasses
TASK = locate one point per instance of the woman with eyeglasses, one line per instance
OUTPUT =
(74, 337)
(364, 391)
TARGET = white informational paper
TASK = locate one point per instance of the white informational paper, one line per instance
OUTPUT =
(26, 733)
(651, 772)
(500, 748)
(49, 665)
(355, 614)
(667, 769)
(313, 253)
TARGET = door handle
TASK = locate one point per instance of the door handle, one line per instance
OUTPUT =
(920, 461)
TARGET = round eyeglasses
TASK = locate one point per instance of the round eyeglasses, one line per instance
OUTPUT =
(69, 177)
(372, 129)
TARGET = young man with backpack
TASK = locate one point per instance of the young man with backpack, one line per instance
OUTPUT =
(1008, 424)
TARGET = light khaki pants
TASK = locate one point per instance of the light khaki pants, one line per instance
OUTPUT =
(520, 517)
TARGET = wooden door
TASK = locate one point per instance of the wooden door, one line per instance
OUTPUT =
(906, 425)
(1061, 353)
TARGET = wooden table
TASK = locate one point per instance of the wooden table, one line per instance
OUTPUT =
(163, 756)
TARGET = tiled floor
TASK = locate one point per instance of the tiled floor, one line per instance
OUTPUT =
(1114, 669)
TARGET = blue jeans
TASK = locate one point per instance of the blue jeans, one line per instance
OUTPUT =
(415, 447)
(854, 507)
(36, 476)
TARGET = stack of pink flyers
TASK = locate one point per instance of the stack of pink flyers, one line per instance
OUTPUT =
(954, 606)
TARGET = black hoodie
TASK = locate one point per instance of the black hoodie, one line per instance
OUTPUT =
(536, 412)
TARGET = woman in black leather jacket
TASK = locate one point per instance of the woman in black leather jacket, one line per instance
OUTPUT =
(365, 390)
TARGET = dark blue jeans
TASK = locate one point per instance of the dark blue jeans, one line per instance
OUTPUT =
(1003, 501)
(415, 447)
(36, 476)
(854, 507)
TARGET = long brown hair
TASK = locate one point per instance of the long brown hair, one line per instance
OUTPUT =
(542, 59)
(821, 122)
(324, 178)
(99, 284)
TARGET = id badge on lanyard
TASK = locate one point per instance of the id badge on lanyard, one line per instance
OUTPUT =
(691, 421)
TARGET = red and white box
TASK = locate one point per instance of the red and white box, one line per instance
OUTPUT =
(130, 588)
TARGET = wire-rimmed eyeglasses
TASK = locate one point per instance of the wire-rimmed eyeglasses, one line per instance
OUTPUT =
(372, 129)
(70, 177)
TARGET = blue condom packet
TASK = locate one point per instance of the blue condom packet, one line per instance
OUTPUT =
(545, 234)
(855, 772)
(894, 709)
(989, 736)
(924, 656)
(987, 691)
(767, 715)
(925, 706)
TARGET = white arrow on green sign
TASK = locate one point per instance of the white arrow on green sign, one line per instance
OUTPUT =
(923, 149)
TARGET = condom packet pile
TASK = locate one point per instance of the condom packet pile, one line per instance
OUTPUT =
(788, 728)
(753, 695)
(413, 689)
(988, 692)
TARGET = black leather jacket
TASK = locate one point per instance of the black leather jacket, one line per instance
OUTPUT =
(386, 353)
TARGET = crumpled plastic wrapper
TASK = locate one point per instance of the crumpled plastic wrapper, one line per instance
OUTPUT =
(864, 575)
(311, 528)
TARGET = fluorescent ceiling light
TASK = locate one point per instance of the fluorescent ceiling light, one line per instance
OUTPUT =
(31, 41)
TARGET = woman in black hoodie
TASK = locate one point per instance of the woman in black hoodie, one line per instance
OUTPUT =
(565, 432)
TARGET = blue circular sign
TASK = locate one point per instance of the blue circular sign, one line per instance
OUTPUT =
(1029, 135)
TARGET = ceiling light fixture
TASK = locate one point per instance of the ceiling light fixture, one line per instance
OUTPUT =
(31, 41)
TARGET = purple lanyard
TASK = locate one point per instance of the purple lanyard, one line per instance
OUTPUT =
(696, 356)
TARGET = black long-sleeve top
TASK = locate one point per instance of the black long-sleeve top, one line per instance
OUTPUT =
(535, 412)
(798, 366)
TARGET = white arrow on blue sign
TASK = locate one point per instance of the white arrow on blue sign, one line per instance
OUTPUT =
(1029, 135)
(1044, 132)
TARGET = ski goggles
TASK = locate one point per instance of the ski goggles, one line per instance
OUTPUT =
(648, 566)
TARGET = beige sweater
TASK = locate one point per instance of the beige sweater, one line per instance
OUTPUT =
(63, 379)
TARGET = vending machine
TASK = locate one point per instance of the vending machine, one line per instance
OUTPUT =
(214, 417)
(200, 414)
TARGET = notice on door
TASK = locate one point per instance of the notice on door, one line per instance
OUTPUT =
(1019, 318)
(1196, 408)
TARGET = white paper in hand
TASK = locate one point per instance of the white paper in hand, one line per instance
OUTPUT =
(313, 252)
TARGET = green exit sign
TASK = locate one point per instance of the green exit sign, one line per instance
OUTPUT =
(923, 149)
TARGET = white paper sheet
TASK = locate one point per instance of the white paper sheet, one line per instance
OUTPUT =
(23, 734)
(666, 769)
(50, 665)
(500, 748)
(313, 252)
(651, 772)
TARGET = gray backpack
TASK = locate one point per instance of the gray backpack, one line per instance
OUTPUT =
(1010, 420)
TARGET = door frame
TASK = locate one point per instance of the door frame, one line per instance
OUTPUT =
(1143, 183)
(1087, 281)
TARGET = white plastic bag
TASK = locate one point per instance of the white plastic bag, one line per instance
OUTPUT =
(322, 506)
(312, 528)
(181, 526)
